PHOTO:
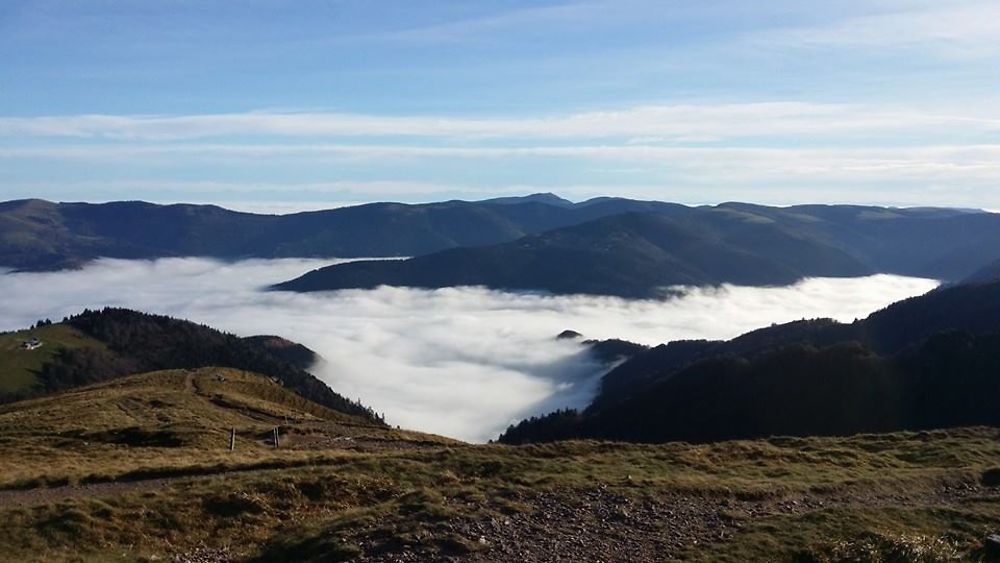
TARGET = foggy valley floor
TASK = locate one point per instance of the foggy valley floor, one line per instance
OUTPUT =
(462, 362)
(215, 464)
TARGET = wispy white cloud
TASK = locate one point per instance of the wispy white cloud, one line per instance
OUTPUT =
(472, 28)
(958, 162)
(945, 175)
(195, 187)
(614, 152)
(947, 28)
(678, 123)
(553, 93)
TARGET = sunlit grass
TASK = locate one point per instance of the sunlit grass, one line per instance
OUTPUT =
(338, 482)
(19, 367)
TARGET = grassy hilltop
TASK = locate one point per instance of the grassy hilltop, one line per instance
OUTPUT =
(138, 469)
(95, 346)
(19, 368)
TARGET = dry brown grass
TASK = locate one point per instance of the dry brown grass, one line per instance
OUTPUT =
(172, 420)
(339, 482)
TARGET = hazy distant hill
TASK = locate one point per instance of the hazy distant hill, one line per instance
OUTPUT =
(37, 234)
(927, 362)
(631, 255)
(542, 242)
(987, 274)
(549, 198)
(637, 254)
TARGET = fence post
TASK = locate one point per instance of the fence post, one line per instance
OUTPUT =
(276, 436)
(232, 440)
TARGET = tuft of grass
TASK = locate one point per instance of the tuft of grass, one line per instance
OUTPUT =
(876, 548)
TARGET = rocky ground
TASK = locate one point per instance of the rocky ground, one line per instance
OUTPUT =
(602, 525)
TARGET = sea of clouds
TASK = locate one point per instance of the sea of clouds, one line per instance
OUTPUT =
(463, 362)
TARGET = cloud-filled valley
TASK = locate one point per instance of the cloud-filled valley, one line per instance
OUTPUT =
(464, 362)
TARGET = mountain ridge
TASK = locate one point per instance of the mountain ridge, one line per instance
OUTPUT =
(629, 255)
(37, 234)
(639, 254)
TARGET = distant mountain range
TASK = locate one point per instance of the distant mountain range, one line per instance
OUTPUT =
(639, 254)
(42, 235)
(607, 246)
(926, 362)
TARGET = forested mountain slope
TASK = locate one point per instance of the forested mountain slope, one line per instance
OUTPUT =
(641, 254)
(37, 234)
(927, 362)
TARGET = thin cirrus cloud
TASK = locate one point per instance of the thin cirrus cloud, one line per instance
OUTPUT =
(948, 28)
(941, 175)
(463, 362)
(955, 161)
(680, 122)
(892, 101)
(840, 156)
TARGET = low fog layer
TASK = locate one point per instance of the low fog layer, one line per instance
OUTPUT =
(463, 362)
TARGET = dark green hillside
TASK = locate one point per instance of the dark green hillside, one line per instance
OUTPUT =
(290, 352)
(974, 308)
(950, 380)
(629, 255)
(19, 367)
(927, 362)
(634, 254)
(37, 234)
(98, 345)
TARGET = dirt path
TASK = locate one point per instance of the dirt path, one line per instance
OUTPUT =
(14, 498)
(35, 497)
(189, 383)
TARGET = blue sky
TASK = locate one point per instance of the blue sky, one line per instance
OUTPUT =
(289, 104)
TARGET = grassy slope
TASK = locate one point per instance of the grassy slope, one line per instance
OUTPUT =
(166, 421)
(339, 486)
(18, 367)
(103, 344)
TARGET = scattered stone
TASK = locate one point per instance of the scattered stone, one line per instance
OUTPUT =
(204, 555)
